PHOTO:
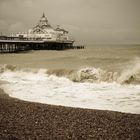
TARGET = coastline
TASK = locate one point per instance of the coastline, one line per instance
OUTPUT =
(26, 120)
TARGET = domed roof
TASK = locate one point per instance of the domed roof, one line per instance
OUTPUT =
(43, 18)
(43, 23)
(42, 26)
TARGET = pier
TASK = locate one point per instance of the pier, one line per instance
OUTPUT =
(16, 45)
(41, 37)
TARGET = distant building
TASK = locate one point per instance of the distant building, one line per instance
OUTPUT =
(43, 30)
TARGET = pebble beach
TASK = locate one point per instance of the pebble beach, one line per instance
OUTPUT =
(21, 120)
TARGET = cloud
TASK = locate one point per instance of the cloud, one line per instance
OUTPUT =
(88, 20)
(16, 27)
(3, 26)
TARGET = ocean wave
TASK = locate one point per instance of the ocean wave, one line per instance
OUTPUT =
(88, 87)
(129, 75)
(111, 59)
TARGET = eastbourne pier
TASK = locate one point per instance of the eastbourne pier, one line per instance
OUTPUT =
(41, 37)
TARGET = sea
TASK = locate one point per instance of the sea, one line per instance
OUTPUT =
(103, 77)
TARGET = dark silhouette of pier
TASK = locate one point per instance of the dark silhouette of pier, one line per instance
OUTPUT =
(17, 44)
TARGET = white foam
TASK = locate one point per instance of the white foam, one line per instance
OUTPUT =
(40, 87)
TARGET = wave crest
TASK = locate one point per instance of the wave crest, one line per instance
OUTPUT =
(130, 75)
(91, 74)
(6, 67)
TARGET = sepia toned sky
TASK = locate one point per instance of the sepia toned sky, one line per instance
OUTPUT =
(88, 21)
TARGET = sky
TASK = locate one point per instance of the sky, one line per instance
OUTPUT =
(88, 21)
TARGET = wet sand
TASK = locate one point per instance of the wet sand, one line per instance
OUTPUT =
(21, 120)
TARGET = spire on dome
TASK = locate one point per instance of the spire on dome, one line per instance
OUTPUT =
(43, 16)
(43, 19)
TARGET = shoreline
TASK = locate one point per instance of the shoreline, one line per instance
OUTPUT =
(26, 120)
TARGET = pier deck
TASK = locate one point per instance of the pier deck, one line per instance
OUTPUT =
(14, 45)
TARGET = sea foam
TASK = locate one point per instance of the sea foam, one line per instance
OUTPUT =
(92, 88)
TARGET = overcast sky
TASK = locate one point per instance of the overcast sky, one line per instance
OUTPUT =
(89, 21)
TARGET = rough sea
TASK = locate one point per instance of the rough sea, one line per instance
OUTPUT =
(104, 77)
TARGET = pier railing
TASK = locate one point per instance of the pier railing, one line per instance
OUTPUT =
(16, 44)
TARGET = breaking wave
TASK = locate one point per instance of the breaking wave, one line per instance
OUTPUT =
(129, 75)
(88, 87)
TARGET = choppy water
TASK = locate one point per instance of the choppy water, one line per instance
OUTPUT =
(99, 77)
